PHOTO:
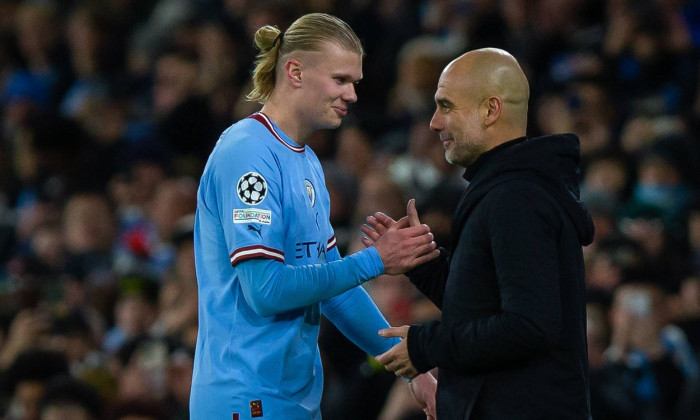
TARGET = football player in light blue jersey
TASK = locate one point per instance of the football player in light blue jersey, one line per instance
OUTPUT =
(265, 252)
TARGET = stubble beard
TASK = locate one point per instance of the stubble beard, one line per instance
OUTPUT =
(465, 157)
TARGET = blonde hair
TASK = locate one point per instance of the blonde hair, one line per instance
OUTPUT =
(308, 33)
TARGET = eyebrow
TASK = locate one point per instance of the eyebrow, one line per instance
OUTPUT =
(443, 102)
(346, 77)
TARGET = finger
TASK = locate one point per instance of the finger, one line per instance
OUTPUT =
(384, 219)
(369, 232)
(397, 367)
(427, 257)
(383, 358)
(425, 249)
(412, 213)
(376, 225)
(392, 366)
(367, 242)
(421, 240)
(416, 230)
(402, 223)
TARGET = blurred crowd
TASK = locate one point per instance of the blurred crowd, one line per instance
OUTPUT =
(109, 111)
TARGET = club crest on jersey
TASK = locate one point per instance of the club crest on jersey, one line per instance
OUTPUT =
(311, 192)
(252, 188)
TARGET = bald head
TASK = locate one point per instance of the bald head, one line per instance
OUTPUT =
(491, 72)
(481, 103)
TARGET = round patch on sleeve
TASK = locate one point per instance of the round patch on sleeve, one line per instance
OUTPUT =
(252, 188)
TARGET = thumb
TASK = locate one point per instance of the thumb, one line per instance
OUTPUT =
(412, 213)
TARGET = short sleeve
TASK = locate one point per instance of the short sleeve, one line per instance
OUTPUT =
(248, 188)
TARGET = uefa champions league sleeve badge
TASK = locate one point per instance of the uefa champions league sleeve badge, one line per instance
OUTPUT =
(252, 188)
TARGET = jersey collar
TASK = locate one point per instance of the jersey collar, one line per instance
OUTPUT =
(267, 122)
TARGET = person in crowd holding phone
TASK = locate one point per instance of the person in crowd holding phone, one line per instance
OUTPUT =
(649, 370)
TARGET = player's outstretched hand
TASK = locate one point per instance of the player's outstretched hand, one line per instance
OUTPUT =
(379, 223)
(402, 244)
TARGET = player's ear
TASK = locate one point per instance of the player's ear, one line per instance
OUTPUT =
(292, 70)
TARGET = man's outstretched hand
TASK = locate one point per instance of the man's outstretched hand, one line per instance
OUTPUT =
(396, 359)
(402, 244)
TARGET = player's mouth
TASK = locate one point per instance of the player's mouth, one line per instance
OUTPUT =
(340, 111)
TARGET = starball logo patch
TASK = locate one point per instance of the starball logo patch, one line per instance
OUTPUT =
(252, 188)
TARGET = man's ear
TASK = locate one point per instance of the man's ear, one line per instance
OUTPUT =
(292, 71)
(494, 106)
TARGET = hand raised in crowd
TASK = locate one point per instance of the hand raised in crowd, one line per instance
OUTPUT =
(25, 330)
(402, 245)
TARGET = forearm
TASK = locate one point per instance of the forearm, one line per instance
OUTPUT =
(358, 318)
(271, 287)
(476, 345)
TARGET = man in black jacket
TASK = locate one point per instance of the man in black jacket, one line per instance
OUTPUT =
(511, 341)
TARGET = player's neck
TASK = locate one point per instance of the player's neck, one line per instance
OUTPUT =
(287, 121)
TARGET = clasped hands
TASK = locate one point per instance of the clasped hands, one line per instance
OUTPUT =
(403, 244)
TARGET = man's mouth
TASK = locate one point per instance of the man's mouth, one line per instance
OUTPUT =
(340, 111)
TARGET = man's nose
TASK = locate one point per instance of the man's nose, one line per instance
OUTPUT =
(436, 123)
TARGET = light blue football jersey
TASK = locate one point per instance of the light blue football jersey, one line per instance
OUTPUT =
(261, 196)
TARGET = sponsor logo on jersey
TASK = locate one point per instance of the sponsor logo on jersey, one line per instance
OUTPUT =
(310, 249)
(252, 188)
(256, 229)
(263, 217)
(311, 192)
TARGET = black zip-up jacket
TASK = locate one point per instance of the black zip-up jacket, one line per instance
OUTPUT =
(511, 341)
